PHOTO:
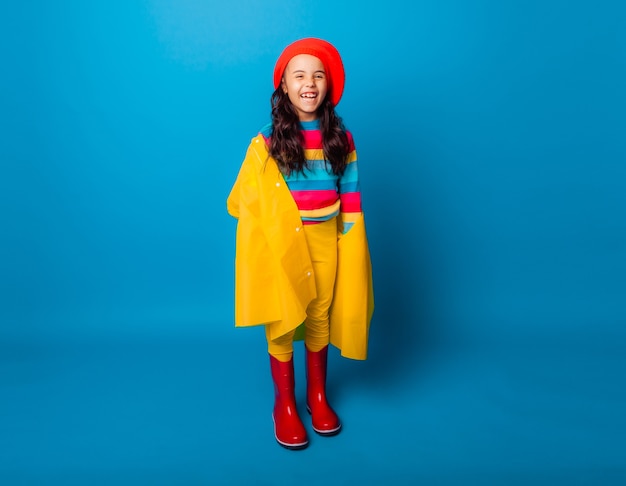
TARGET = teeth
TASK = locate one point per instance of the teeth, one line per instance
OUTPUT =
(308, 95)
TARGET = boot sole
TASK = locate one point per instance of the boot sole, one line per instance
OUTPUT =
(328, 433)
(292, 447)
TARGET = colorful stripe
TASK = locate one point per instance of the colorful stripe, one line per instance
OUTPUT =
(319, 194)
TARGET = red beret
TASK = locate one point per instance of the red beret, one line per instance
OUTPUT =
(326, 53)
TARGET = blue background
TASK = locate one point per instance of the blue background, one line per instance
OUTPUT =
(492, 150)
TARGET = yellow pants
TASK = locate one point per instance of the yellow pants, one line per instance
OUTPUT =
(322, 241)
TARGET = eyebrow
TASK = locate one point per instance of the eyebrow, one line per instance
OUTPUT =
(303, 71)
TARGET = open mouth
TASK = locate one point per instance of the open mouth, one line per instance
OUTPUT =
(308, 95)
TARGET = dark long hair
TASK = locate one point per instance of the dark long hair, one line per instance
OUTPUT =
(286, 145)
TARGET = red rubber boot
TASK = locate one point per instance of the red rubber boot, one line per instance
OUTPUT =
(288, 428)
(325, 420)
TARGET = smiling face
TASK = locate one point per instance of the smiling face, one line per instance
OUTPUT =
(306, 84)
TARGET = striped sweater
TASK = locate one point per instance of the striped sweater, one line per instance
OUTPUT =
(319, 194)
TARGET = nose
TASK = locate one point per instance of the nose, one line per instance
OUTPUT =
(310, 81)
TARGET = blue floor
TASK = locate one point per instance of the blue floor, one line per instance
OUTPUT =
(171, 410)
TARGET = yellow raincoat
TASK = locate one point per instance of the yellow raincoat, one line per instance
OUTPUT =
(274, 280)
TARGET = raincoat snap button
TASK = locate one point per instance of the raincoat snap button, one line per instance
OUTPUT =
(278, 184)
(298, 228)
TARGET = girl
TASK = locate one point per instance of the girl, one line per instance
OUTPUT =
(302, 265)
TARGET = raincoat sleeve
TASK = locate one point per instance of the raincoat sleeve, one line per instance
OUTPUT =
(255, 268)
(353, 303)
